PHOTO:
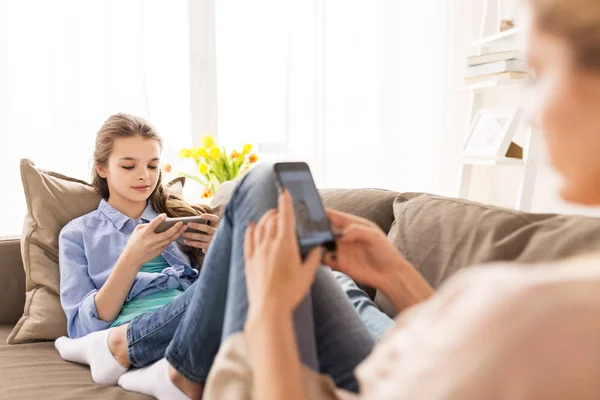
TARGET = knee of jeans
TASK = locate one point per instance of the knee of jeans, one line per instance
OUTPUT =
(258, 181)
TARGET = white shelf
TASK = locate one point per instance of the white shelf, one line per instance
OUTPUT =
(498, 37)
(494, 83)
(492, 161)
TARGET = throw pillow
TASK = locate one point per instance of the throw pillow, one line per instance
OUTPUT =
(441, 235)
(52, 201)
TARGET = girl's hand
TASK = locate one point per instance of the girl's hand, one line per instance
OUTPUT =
(144, 244)
(202, 240)
(363, 251)
(275, 273)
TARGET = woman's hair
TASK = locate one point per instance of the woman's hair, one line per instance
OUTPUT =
(576, 21)
(125, 125)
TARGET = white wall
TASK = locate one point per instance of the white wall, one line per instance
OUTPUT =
(493, 185)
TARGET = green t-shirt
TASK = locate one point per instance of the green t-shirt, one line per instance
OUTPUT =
(151, 302)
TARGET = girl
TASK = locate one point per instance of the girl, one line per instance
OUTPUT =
(113, 266)
(134, 298)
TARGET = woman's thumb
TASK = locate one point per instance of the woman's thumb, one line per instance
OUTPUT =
(312, 261)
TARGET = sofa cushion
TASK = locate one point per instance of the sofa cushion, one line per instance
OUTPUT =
(441, 235)
(52, 201)
(36, 371)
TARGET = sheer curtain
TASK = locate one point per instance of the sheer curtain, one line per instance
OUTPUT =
(355, 87)
(68, 64)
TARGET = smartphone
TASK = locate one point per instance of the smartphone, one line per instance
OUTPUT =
(312, 225)
(169, 222)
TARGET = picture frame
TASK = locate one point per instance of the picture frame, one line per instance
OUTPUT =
(491, 132)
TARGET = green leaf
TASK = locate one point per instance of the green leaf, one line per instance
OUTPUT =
(194, 178)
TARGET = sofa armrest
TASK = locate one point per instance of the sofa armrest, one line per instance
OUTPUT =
(12, 283)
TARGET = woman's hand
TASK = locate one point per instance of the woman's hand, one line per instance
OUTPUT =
(202, 240)
(275, 273)
(144, 244)
(363, 251)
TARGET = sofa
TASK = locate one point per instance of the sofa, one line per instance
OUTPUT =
(439, 235)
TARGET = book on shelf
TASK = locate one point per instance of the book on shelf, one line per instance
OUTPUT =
(498, 56)
(504, 76)
(498, 67)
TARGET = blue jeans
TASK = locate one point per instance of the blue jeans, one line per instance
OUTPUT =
(331, 336)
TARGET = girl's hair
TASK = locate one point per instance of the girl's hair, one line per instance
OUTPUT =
(576, 21)
(125, 125)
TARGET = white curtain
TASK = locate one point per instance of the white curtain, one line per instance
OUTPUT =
(354, 87)
(66, 65)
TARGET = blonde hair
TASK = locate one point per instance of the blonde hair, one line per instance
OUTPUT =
(577, 22)
(125, 125)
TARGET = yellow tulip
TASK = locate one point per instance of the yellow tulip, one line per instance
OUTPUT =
(247, 149)
(185, 153)
(208, 141)
(203, 168)
(196, 152)
(214, 152)
(203, 152)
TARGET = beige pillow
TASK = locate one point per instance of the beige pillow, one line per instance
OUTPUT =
(441, 235)
(52, 201)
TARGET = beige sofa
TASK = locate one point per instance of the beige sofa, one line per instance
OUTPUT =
(439, 235)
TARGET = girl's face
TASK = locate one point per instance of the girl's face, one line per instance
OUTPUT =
(568, 114)
(132, 170)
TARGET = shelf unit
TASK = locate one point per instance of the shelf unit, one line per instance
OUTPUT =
(488, 36)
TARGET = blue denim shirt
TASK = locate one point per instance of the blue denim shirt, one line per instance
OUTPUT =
(88, 249)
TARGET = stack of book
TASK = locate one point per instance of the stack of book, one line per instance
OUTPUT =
(501, 66)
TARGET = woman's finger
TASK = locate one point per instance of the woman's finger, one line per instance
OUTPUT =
(260, 227)
(287, 218)
(358, 233)
(310, 265)
(249, 241)
(342, 219)
(271, 226)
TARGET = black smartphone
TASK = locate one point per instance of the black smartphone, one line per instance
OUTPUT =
(312, 225)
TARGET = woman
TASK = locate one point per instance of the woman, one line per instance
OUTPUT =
(499, 332)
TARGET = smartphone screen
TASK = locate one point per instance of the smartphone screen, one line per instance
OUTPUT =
(312, 224)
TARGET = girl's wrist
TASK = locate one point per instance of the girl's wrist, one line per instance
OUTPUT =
(127, 258)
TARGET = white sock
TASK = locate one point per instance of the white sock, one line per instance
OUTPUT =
(153, 381)
(93, 350)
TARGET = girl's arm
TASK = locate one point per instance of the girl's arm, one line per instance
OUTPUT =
(276, 367)
(77, 290)
(112, 294)
(143, 245)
